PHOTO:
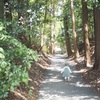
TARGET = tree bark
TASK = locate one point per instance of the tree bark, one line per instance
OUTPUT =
(1, 10)
(67, 38)
(20, 12)
(52, 28)
(76, 52)
(21, 35)
(86, 31)
(97, 38)
(44, 25)
(8, 15)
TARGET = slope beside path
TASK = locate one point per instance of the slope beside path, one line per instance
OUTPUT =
(55, 88)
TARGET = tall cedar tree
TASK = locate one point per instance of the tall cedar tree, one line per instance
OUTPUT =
(86, 31)
(52, 25)
(1, 10)
(67, 38)
(76, 52)
(44, 24)
(97, 38)
(8, 15)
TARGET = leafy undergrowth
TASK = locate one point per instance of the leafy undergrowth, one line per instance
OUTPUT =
(36, 73)
(15, 60)
(21, 70)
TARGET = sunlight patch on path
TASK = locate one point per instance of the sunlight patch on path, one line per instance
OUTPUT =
(54, 87)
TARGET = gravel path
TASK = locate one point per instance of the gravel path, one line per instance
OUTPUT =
(55, 88)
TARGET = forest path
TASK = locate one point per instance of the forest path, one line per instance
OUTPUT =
(55, 88)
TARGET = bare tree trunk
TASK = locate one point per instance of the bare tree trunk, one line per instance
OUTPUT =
(67, 38)
(20, 13)
(42, 35)
(52, 28)
(52, 38)
(21, 36)
(86, 31)
(1, 10)
(97, 37)
(76, 52)
(8, 15)
(44, 25)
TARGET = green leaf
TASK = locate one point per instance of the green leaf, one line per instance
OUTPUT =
(5, 95)
(2, 56)
(1, 50)
(12, 89)
(25, 81)
(25, 78)
(1, 26)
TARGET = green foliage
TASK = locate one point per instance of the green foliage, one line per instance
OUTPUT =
(60, 40)
(15, 60)
(1, 26)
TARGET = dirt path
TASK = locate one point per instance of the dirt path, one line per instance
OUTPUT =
(54, 87)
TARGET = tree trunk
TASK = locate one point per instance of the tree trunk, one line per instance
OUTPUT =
(21, 35)
(67, 38)
(1, 10)
(85, 31)
(52, 28)
(76, 52)
(20, 12)
(8, 15)
(97, 37)
(52, 38)
(44, 25)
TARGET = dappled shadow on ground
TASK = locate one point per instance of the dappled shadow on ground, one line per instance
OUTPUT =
(91, 76)
(72, 91)
(55, 88)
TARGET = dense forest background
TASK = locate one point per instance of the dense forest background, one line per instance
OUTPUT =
(28, 27)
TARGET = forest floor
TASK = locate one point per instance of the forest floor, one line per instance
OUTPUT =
(37, 72)
(90, 75)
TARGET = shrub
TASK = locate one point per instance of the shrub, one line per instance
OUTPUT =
(15, 60)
